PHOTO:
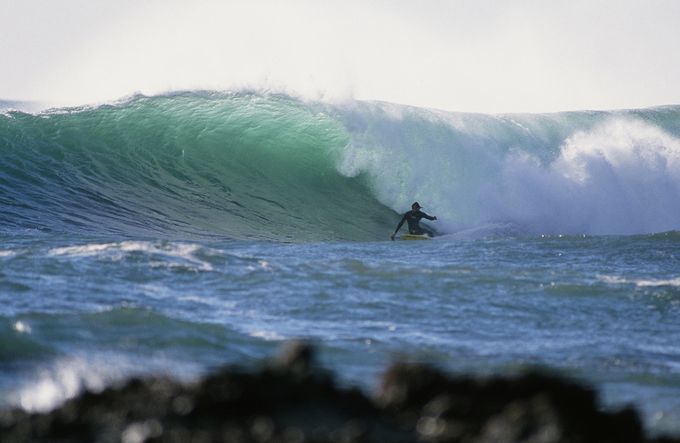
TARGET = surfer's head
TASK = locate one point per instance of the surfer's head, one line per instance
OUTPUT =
(415, 206)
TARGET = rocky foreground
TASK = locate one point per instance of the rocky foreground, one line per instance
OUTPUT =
(290, 401)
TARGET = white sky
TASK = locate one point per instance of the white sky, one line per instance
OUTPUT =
(464, 55)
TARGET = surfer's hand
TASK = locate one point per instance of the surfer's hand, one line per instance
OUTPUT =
(392, 237)
(435, 217)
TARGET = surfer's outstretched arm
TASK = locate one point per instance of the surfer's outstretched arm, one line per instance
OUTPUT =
(403, 219)
(429, 217)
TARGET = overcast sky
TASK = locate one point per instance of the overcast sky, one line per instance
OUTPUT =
(462, 55)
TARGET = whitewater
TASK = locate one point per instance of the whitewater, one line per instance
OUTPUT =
(174, 233)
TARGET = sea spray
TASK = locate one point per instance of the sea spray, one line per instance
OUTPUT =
(571, 173)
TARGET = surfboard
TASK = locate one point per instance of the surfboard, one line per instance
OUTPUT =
(415, 237)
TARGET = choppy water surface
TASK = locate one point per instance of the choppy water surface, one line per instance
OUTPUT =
(603, 309)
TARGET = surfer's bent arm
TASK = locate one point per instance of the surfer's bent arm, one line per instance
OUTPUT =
(403, 219)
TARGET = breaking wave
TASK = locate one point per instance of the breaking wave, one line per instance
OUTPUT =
(250, 165)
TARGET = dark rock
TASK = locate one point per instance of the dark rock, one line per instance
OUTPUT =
(533, 408)
(290, 400)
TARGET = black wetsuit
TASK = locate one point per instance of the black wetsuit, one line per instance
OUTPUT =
(413, 220)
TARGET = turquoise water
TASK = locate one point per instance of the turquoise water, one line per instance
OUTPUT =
(174, 234)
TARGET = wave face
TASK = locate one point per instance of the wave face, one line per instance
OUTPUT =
(244, 166)
(260, 166)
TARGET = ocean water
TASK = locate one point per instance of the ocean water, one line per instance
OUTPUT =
(176, 233)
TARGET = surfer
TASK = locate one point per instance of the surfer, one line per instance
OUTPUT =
(413, 217)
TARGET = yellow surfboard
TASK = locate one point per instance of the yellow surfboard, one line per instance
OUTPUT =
(415, 237)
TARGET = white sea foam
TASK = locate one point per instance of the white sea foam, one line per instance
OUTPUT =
(66, 378)
(267, 335)
(82, 250)
(641, 282)
(22, 327)
(614, 174)
(174, 254)
(61, 382)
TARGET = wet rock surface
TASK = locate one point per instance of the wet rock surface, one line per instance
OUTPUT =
(291, 401)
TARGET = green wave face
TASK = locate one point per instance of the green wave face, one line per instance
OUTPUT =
(241, 166)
